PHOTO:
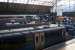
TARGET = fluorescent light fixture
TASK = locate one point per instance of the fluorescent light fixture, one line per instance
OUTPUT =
(3, 0)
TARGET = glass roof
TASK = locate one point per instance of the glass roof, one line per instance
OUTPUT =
(35, 2)
(65, 6)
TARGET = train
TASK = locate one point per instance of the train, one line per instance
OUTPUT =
(19, 34)
(20, 21)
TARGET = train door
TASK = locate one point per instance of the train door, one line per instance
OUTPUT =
(65, 35)
(39, 41)
(42, 40)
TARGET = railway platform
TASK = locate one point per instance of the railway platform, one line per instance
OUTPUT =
(68, 45)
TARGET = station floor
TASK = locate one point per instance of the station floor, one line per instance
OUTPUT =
(69, 45)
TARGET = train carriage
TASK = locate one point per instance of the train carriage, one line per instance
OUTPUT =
(17, 33)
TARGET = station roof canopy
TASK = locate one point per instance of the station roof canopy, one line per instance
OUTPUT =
(35, 2)
(27, 6)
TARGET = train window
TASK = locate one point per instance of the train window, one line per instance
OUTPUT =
(44, 18)
(29, 18)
